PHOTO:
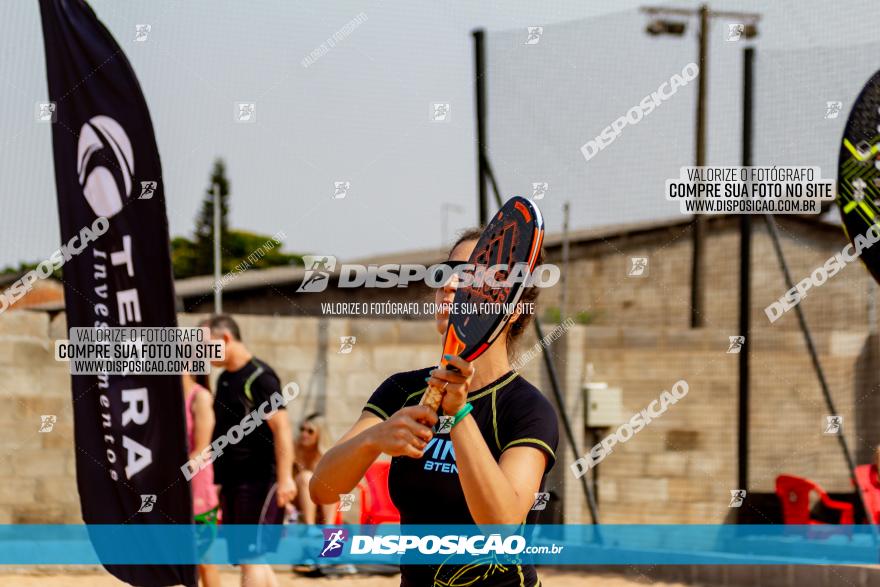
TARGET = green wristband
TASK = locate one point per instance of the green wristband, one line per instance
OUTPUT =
(464, 411)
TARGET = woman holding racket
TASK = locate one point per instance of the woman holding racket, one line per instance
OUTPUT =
(485, 470)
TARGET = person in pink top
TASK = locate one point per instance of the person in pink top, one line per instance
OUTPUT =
(199, 427)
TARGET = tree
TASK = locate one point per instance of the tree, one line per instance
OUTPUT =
(203, 264)
(240, 250)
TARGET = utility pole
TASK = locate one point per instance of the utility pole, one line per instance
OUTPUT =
(480, 93)
(218, 291)
(698, 288)
(563, 304)
(663, 26)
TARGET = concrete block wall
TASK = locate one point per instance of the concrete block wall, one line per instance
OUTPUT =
(39, 471)
(679, 469)
(597, 280)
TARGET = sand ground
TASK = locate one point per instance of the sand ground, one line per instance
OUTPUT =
(550, 578)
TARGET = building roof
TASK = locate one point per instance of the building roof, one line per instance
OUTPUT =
(202, 285)
(257, 278)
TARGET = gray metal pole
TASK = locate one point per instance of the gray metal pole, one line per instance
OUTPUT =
(566, 424)
(698, 224)
(218, 291)
(563, 304)
(698, 293)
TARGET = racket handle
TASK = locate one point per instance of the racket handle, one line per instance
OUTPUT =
(432, 398)
(452, 345)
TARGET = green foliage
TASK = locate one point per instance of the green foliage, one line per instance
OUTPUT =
(184, 257)
(25, 267)
(586, 317)
(554, 314)
(196, 257)
(242, 244)
(262, 249)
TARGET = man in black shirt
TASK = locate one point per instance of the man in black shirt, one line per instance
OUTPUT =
(255, 457)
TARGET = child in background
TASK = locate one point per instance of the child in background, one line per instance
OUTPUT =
(199, 427)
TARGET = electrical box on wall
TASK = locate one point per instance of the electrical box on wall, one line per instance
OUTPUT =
(603, 405)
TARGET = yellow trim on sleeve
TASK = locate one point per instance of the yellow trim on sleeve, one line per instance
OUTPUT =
(423, 390)
(378, 409)
(533, 440)
(494, 387)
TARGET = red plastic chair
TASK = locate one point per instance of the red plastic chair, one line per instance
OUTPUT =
(376, 504)
(869, 483)
(794, 494)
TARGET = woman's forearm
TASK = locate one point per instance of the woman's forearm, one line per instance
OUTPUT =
(342, 467)
(406, 433)
(490, 496)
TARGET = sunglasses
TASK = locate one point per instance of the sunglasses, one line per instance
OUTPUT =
(440, 270)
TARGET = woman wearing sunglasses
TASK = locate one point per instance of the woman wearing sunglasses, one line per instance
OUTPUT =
(311, 443)
(485, 470)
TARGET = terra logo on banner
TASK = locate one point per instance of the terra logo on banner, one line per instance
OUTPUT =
(103, 142)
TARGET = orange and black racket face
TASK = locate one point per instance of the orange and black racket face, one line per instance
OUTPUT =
(512, 238)
(858, 176)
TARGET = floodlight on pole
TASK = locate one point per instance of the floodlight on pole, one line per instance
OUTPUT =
(659, 26)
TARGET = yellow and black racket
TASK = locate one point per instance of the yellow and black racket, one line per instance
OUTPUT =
(512, 240)
(858, 173)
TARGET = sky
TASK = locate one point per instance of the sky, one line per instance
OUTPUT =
(360, 113)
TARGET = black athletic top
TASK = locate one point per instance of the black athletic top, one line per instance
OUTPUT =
(509, 412)
(238, 394)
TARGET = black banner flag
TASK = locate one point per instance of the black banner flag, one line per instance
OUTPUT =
(129, 430)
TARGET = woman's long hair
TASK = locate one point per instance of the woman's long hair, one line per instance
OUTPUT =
(319, 423)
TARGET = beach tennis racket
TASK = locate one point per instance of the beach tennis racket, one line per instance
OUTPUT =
(858, 172)
(269, 529)
(513, 238)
